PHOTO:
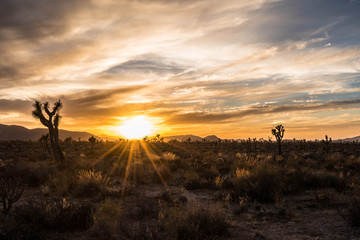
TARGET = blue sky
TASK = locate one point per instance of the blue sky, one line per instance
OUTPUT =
(230, 68)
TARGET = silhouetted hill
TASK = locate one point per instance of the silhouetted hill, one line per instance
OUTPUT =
(182, 138)
(193, 138)
(14, 132)
(353, 139)
(212, 138)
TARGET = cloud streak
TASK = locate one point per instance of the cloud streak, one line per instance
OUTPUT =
(203, 118)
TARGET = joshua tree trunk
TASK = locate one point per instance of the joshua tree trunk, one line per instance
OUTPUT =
(52, 123)
(279, 148)
(327, 142)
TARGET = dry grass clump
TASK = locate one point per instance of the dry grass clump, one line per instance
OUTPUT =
(195, 222)
(110, 209)
(168, 156)
(261, 183)
(90, 183)
(58, 215)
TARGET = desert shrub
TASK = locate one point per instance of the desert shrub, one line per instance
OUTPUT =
(323, 180)
(153, 157)
(351, 211)
(136, 231)
(160, 174)
(179, 164)
(208, 173)
(139, 173)
(32, 174)
(198, 183)
(352, 163)
(145, 206)
(292, 181)
(45, 189)
(261, 183)
(244, 160)
(104, 229)
(10, 192)
(59, 215)
(62, 182)
(90, 183)
(168, 156)
(110, 209)
(196, 222)
(219, 181)
(172, 198)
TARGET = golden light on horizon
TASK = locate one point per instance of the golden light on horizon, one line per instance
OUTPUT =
(136, 127)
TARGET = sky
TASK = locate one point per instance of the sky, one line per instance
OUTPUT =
(232, 68)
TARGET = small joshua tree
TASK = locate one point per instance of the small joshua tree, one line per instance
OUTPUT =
(92, 140)
(327, 142)
(44, 140)
(10, 192)
(278, 132)
(52, 123)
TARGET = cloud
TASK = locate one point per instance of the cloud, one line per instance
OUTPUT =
(188, 62)
(7, 72)
(146, 64)
(15, 105)
(201, 117)
(36, 19)
(282, 22)
(93, 97)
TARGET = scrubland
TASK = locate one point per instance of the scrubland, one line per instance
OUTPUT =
(180, 190)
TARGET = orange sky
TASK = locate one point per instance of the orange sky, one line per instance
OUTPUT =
(234, 69)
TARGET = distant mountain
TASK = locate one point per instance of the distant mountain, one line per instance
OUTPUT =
(212, 138)
(353, 139)
(193, 138)
(182, 138)
(14, 132)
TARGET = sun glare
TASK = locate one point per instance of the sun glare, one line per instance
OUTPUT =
(136, 127)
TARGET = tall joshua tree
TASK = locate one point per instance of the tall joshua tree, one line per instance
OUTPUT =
(52, 123)
(278, 132)
(327, 142)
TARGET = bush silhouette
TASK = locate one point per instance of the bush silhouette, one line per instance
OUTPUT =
(10, 192)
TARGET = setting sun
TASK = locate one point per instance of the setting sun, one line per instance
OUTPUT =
(136, 127)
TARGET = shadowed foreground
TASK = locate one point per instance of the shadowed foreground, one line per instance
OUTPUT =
(180, 190)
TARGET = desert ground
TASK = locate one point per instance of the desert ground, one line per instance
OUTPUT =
(150, 189)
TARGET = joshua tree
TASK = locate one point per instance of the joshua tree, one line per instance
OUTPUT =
(92, 140)
(327, 142)
(44, 140)
(52, 123)
(278, 132)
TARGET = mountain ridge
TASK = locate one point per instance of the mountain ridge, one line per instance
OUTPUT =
(193, 138)
(16, 132)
